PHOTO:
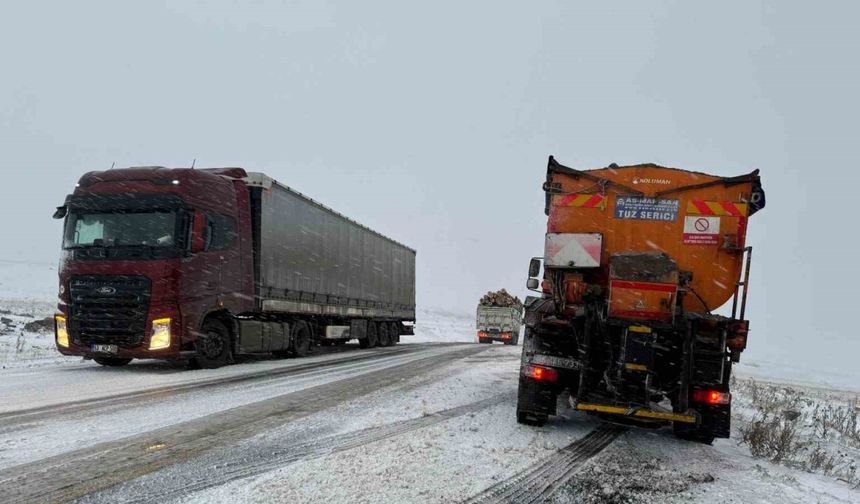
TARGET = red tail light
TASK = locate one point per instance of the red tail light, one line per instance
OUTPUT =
(737, 334)
(712, 397)
(541, 373)
(505, 335)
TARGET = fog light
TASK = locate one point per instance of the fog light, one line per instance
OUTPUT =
(61, 331)
(160, 337)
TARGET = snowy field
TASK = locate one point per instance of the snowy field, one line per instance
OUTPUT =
(440, 435)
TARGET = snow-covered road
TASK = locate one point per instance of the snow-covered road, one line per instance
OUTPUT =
(419, 422)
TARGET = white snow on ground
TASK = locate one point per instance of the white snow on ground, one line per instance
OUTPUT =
(795, 373)
(23, 346)
(446, 462)
(654, 468)
(440, 325)
(449, 460)
(28, 280)
(47, 437)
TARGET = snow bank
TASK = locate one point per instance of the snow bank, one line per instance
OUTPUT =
(28, 280)
(27, 346)
(439, 325)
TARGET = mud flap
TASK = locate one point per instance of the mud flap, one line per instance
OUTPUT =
(536, 397)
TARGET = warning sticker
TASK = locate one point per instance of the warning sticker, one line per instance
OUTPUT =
(630, 207)
(700, 230)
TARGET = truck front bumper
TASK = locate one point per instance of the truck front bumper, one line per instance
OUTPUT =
(141, 352)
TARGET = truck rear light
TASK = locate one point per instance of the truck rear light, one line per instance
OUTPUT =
(505, 335)
(736, 338)
(712, 397)
(739, 327)
(61, 331)
(541, 373)
(483, 334)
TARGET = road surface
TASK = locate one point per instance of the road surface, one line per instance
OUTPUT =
(413, 423)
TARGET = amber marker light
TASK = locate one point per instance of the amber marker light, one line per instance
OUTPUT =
(61, 331)
(160, 337)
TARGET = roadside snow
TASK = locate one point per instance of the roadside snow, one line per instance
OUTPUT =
(23, 346)
(439, 325)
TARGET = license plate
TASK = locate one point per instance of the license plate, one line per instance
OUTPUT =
(104, 348)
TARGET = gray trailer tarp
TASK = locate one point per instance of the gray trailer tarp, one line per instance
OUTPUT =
(311, 259)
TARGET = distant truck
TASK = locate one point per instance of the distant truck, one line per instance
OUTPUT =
(499, 323)
(636, 261)
(207, 264)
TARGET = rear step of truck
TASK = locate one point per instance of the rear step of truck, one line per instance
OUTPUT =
(638, 412)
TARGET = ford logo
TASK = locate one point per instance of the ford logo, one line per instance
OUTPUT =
(106, 290)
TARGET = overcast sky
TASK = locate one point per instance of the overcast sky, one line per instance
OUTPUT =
(432, 122)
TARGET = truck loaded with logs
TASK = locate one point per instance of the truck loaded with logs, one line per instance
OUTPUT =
(206, 264)
(636, 261)
(499, 318)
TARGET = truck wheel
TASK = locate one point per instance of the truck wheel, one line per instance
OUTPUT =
(529, 418)
(393, 333)
(369, 340)
(691, 433)
(382, 332)
(212, 346)
(111, 361)
(301, 340)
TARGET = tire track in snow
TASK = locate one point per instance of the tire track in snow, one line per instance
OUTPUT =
(241, 467)
(543, 478)
(11, 418)
(73, 475)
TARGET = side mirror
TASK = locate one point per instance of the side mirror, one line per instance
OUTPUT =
(198, 232)
(534, 267)
(61, 212)
(532, 284)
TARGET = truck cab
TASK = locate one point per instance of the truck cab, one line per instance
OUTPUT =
(148, 254)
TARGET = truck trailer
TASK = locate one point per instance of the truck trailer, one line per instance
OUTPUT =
(636, 261)
(206, 264)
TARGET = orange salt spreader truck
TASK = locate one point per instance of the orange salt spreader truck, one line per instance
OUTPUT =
(636, 260)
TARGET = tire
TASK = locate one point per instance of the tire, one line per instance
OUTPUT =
(529, 418)
(393, 333)
(301, 344)
(213, 346)
(111, 361)
(370, 338)
(694, 434)
(382, 332)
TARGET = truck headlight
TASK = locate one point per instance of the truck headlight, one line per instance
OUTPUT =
(61, 331)
(160, 337)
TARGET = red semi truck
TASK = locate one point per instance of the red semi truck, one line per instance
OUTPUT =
(206, 264)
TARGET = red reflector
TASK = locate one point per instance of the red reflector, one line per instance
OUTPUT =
(712, 397)
(541, 373)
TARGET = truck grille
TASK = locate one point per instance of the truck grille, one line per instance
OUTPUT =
(109, 309)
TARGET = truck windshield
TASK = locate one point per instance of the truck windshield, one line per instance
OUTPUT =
(117, 229)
